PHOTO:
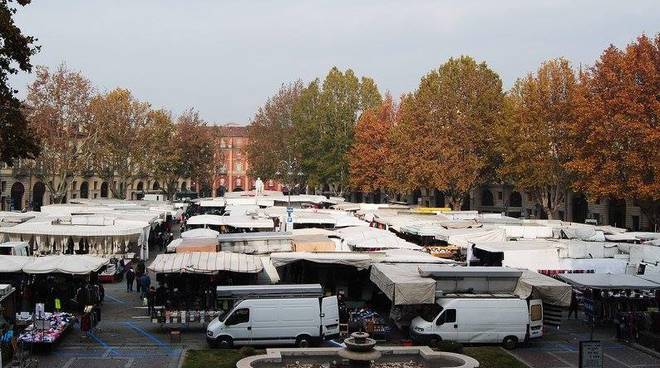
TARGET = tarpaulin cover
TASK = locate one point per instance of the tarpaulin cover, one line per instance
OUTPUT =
(361, 261)
(13, 263)
(608, 281)
(69, 264)
(550, 290)
(402, 284)
(206, 263)
(313, 243)
(411, 256)
(587, 249)
(200, 233)
(528, 232)
(464, 237)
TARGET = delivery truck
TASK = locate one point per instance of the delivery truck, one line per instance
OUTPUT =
(505, 320)
(273, 314)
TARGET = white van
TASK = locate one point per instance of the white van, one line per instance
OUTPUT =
(281, 320)
(15, 249)
(480, 320)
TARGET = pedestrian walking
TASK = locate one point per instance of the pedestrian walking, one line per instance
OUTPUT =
(151, 298)
(573, 307)
(145, 283)
(130, 276)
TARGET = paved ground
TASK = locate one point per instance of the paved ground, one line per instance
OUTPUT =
(559, 349)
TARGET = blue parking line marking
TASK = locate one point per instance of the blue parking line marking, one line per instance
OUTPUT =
(151, 337)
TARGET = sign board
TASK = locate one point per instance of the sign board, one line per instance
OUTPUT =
(591, 354)
(289, 210)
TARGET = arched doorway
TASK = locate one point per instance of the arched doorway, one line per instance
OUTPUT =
(580, 208)
(156, 185)
(439, 198)
(17, 191)
(487, 198)
(104, 190)
(140, 186)
(515, 200)
(38, 191)
(84, 190)
(616, 212)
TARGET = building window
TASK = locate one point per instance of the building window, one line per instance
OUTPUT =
(3, 186)
(499, 196)
(239, 167)
(238, 182)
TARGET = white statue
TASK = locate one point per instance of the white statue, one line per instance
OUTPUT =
(258, 187)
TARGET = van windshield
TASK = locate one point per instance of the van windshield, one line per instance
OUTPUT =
(429, 313)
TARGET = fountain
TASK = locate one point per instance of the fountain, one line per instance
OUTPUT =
(360, 352)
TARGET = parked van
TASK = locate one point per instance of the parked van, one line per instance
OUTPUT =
(15, 249)
(275, 318)
(507, 320)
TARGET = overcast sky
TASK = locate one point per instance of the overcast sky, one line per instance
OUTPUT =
(225, 58)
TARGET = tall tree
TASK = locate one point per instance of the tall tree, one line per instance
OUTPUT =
(444, 136)
(616, 133)
(121, 149)
(16, 138)
(58, 112)
(324, 121)
(532, 140)
(270, 134)
(186, 151)
(370, 149)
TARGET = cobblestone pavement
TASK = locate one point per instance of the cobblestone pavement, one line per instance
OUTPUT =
(559, 349)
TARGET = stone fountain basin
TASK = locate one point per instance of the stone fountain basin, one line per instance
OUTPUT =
(430, 359)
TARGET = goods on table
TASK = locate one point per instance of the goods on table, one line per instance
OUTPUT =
(54, 325)
(369, 321)
(161, 315)
(443, 251)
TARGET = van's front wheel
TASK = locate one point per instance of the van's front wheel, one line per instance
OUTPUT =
(303, 341)
(434, 341)
(225, 342)
(510, 342)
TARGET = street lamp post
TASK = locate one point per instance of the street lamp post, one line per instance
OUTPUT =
(289, 173)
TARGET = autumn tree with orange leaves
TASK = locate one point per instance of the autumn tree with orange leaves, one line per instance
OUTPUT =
(370, 150)
(444, 138)
(616, 135)
(532, 139)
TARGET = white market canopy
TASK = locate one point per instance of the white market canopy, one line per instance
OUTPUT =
(206, 263)
(199, 233)
(68, 264)
(361, 261)
(236, 221)
(364, 238)
(550, 290)
(11, 264)
(608, 281)
(403, 284)
(69, 227)
(411, 256)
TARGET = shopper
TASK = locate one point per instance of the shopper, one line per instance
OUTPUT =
(151, 298)
(145, 283)
(130, 276)
(573, 307)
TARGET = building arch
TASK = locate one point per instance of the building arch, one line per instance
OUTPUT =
(38, 192)
(84, 189)
(17, 191)
(156, 185)
(579, 208)
(104, 190)
(487, 198)
(515, 199)
(616, 212)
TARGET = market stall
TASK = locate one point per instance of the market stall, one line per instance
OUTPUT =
(187, 283)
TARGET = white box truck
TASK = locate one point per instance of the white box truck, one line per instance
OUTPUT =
(274, 314)
(505, 320)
